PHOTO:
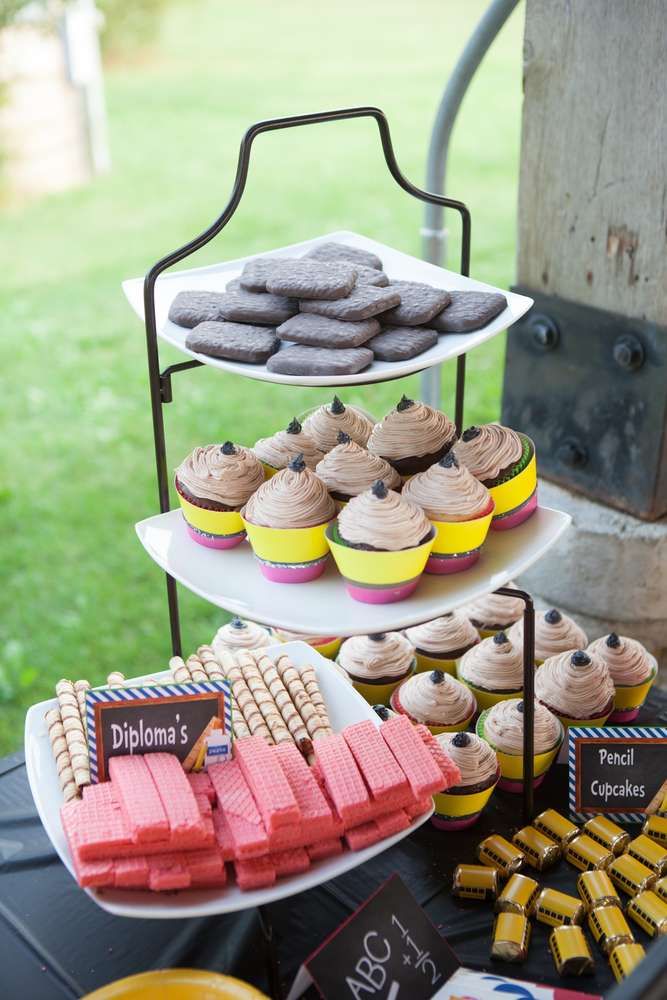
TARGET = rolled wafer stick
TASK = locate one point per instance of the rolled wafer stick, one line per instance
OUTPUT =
(116, 679)
(81, 687)
(281, 696)
(291, 678)
(210, 663)
(54, 724)
(309, 678)
(239, 726)
(243, 696)
(196, 669)
(179, 671)
(263, 697)
(68, 704)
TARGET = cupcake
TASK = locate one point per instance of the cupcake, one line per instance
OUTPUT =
(502, 727)
(325, 423)
(437, 700)
(286, 520)
(459, 508)
(377, 664)
(460, 806)
(277, 451)
(577, 687)
(348, 469)
(412, 437)
(380, 543)
(504, 461)
(632, 670)
(554, 633)
(241, 634)
(213, 483)
(493, 670)
(494, 612)
(442, 641)
(326, 645)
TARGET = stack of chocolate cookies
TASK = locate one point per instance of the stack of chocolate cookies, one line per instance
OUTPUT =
(331, 312)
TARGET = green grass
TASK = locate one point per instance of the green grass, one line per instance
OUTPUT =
(79, 596)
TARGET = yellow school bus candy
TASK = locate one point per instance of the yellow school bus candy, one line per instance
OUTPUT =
(624, 959)
(597, 889)
(557, 908)
(556, 826)
(649, 911)
(570, 951)
(609, 834)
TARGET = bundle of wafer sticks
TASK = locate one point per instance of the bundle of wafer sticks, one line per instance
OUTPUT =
(275, 700)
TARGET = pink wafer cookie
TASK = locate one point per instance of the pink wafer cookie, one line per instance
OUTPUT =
(342, 778)
(271, 789)
(240, 812)
(131, 873)
(201, 785)
(203, 804)
(202, 865)
(223, 836)
(95, 825)
(254, 874)
(214, 882)
(139, 799)
(291, 862)
(177, 798)
(419, 807)
(317, 820)
(167, 871)
(325, 849)
(416, 761)
(392, 822)
(358, 837)
(91, 874)
(382, 774)
(450, 771)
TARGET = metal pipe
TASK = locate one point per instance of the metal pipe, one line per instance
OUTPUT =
(433, 232)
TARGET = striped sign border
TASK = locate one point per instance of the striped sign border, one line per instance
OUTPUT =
(118, 694)
(605, 732)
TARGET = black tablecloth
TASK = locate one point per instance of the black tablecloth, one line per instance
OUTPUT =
(56, 943)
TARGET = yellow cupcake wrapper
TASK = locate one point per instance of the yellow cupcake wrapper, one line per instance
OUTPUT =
(287, 545)
(380, 568)
(634, 696)
(269, 470)
(459, 727)
(511, 765)
(598, 720)
(454, 537)
(511, 494)
(329, 649)
(213, 522)
(427, 663)
(378, 694)
(465, 804)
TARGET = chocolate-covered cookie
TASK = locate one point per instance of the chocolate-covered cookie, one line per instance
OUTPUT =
(255, 272)
(241, 306)
(400, 343)
(468, 311)
(341, 251)
(233, 341)
(419, 303)
(302, 360)
(190, 308)
(320, 331)
(363, 302)
(311, 279)
(371, 276)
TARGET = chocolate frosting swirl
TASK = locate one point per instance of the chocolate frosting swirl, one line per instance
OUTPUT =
(448, 492)
(450, 632)
(503, 727)
(494, 665)
(476, 761)
(241, 634)
(416, 430)
(290, 499)
(226, 476)
(441, 703)
(389, 522)
(576, 690)
(628, 661)
(350, 469)
(554, 633)
(494, 610)
(490, 451)
(324, 424)
(279, 449)
(390, 655)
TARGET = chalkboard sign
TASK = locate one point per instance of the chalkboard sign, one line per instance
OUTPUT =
(618, 772)
(170, 718)
(387, 950)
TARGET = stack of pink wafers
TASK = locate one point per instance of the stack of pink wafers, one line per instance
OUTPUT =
(266, 813)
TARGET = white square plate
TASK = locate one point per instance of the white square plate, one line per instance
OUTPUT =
(345, 706)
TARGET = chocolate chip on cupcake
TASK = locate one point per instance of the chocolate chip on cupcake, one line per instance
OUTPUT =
(577, 687)
(437, 700)
(554, 633)
(376, 664)
(412, 436)
(325, 423)
(278, 450)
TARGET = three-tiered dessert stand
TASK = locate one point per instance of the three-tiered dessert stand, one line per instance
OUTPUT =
(231, 579)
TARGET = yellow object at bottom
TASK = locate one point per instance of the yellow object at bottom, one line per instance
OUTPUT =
(177, 984)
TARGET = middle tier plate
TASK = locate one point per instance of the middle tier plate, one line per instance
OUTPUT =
(232, 580)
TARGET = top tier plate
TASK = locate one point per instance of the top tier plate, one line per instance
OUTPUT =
(397, 265)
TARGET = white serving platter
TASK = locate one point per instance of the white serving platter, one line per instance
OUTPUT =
(345, 706)
(397, 265)
(232, 579)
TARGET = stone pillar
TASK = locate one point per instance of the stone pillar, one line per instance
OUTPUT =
(592, 224)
